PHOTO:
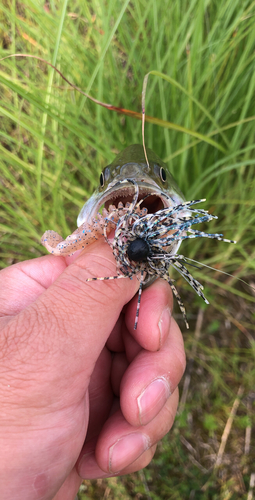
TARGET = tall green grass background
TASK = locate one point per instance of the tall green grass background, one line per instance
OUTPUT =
(54, 143)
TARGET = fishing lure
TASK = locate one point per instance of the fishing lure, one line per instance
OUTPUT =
(144, 245)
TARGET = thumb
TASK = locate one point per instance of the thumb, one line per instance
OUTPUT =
(73, 318)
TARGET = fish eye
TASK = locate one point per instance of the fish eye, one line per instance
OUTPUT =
(105, 176)
(162, 174)
(101, 179)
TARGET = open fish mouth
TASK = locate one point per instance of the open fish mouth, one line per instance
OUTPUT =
(154, 199)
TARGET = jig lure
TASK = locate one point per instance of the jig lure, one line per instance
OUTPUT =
(144, 245)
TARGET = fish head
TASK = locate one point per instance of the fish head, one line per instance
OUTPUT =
(153, 179)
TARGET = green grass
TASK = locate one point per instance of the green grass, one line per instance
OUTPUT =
(54, 143)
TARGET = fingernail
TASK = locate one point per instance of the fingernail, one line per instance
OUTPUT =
(86, 467)
(152, 399)
(164, 325)
(126, 450)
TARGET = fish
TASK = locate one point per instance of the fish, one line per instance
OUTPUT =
(156, 186)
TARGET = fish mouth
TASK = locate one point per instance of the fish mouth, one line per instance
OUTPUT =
(154, 198)
(123, 191)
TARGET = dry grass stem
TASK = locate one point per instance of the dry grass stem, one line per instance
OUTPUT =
(228, 426)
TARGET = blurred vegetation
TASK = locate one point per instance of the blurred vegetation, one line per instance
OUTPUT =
(54, 143)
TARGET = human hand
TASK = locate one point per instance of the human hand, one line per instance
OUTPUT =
(75, 376)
